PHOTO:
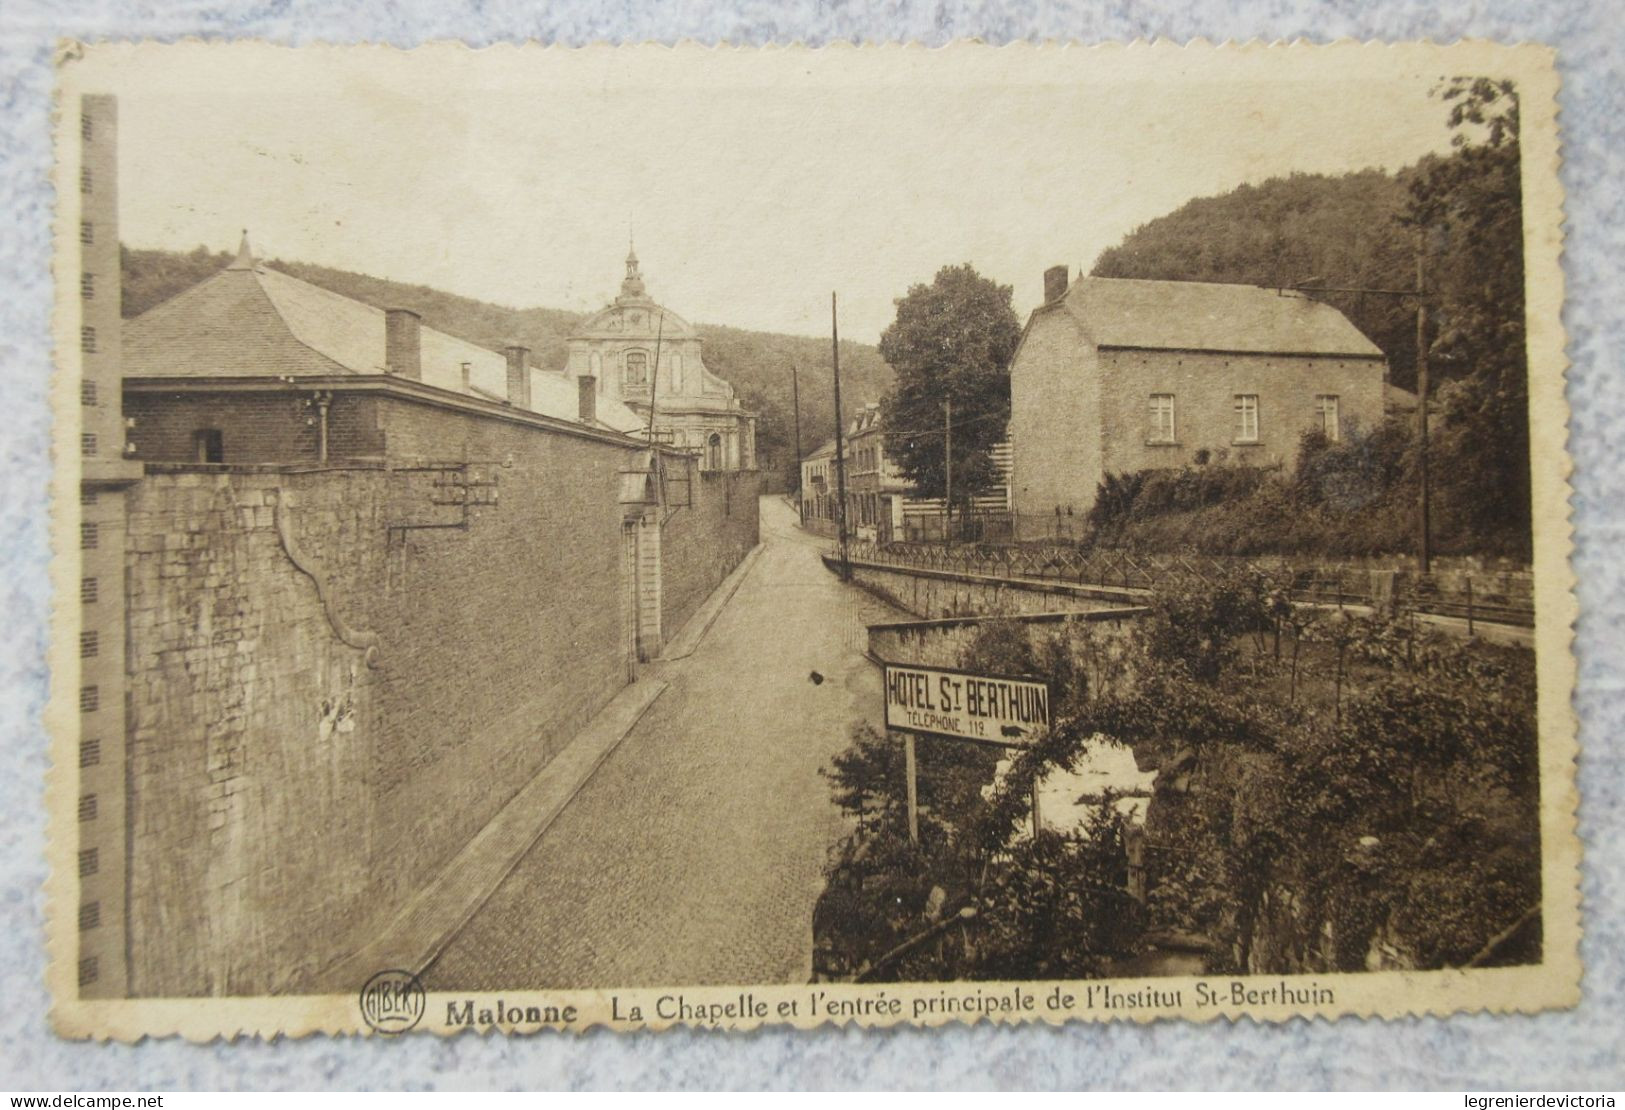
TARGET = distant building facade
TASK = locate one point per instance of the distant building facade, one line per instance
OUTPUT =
(1114, 376)
(644, 355)
(881, 504)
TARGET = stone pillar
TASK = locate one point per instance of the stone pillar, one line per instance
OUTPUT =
(648, 601)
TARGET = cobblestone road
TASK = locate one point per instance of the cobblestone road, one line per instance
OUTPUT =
(695, 853)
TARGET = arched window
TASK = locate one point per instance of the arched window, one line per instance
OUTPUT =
(713, 452)
(637, 368)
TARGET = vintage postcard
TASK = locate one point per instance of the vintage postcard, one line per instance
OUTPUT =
(635, 536)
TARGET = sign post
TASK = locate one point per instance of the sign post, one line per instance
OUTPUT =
(1000, 710)
(913, 789)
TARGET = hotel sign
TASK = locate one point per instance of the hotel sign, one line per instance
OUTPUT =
(987, 708)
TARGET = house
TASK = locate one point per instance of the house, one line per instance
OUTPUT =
(646, 357)
(881, 504)
(255, 366)
(1116, 375)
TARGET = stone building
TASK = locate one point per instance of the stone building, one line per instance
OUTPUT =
(255, 366)
(881, 504)
(642, 354)
(349, 585)
(1116, 375)
(818, 482)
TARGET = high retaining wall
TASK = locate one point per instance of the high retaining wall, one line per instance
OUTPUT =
(702, 542)
(339, 676)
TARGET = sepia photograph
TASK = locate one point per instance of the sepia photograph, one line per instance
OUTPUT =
(638, 536)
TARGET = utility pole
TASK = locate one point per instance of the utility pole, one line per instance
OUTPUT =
(1424, 536)
(1424, 541)
(948, 463)
(840, 452)
(795, 400)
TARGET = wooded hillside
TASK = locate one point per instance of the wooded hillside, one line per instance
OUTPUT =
(1342, 230)
(757, 363)
(1463, 212)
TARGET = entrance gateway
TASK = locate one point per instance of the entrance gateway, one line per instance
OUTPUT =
(1003, 710)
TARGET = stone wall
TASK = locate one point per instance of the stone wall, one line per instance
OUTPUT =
(286, 796)
(703, 542)
(944, 643)
(1204, 387)
(934, 594)
(1054, 416)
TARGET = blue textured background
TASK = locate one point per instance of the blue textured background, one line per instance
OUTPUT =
(1581, 1048)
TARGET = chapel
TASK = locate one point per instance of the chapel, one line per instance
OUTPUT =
(646, 356)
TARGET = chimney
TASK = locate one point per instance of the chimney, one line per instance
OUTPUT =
(403, 343)
(1054, 283)
(518, 375)
(587, 392)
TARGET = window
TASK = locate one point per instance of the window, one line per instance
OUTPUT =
(637, 368)
(87, 807)
(1162, 418)
(90, 753)
(89, 644)
(87, 286)
(85, 127)
(87, 232)
(90, 916)
(676, 363)
(87, 444)
(84, 181)
(208, 446)
(1326, 416)
(88, 497)
(90, 699)
(89, 864)
(87, 591)
(89, 970)
(87, 340)
(87, 393)
(1246, 418)
(88, 537)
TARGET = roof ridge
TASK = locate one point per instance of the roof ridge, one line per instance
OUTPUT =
(334, 295)
(1188, 281)
(259, 273)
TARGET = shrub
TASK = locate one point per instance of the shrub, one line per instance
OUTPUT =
(1114, 498)
(1363, 469)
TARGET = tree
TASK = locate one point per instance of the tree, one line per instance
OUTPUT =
(1470, 204)
(952, 341)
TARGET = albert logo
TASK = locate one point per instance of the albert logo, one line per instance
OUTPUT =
(393, 1002)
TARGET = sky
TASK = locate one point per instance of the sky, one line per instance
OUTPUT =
(754, 186)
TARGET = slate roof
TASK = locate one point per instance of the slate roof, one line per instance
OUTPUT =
(248, 321)
(1206, 316)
